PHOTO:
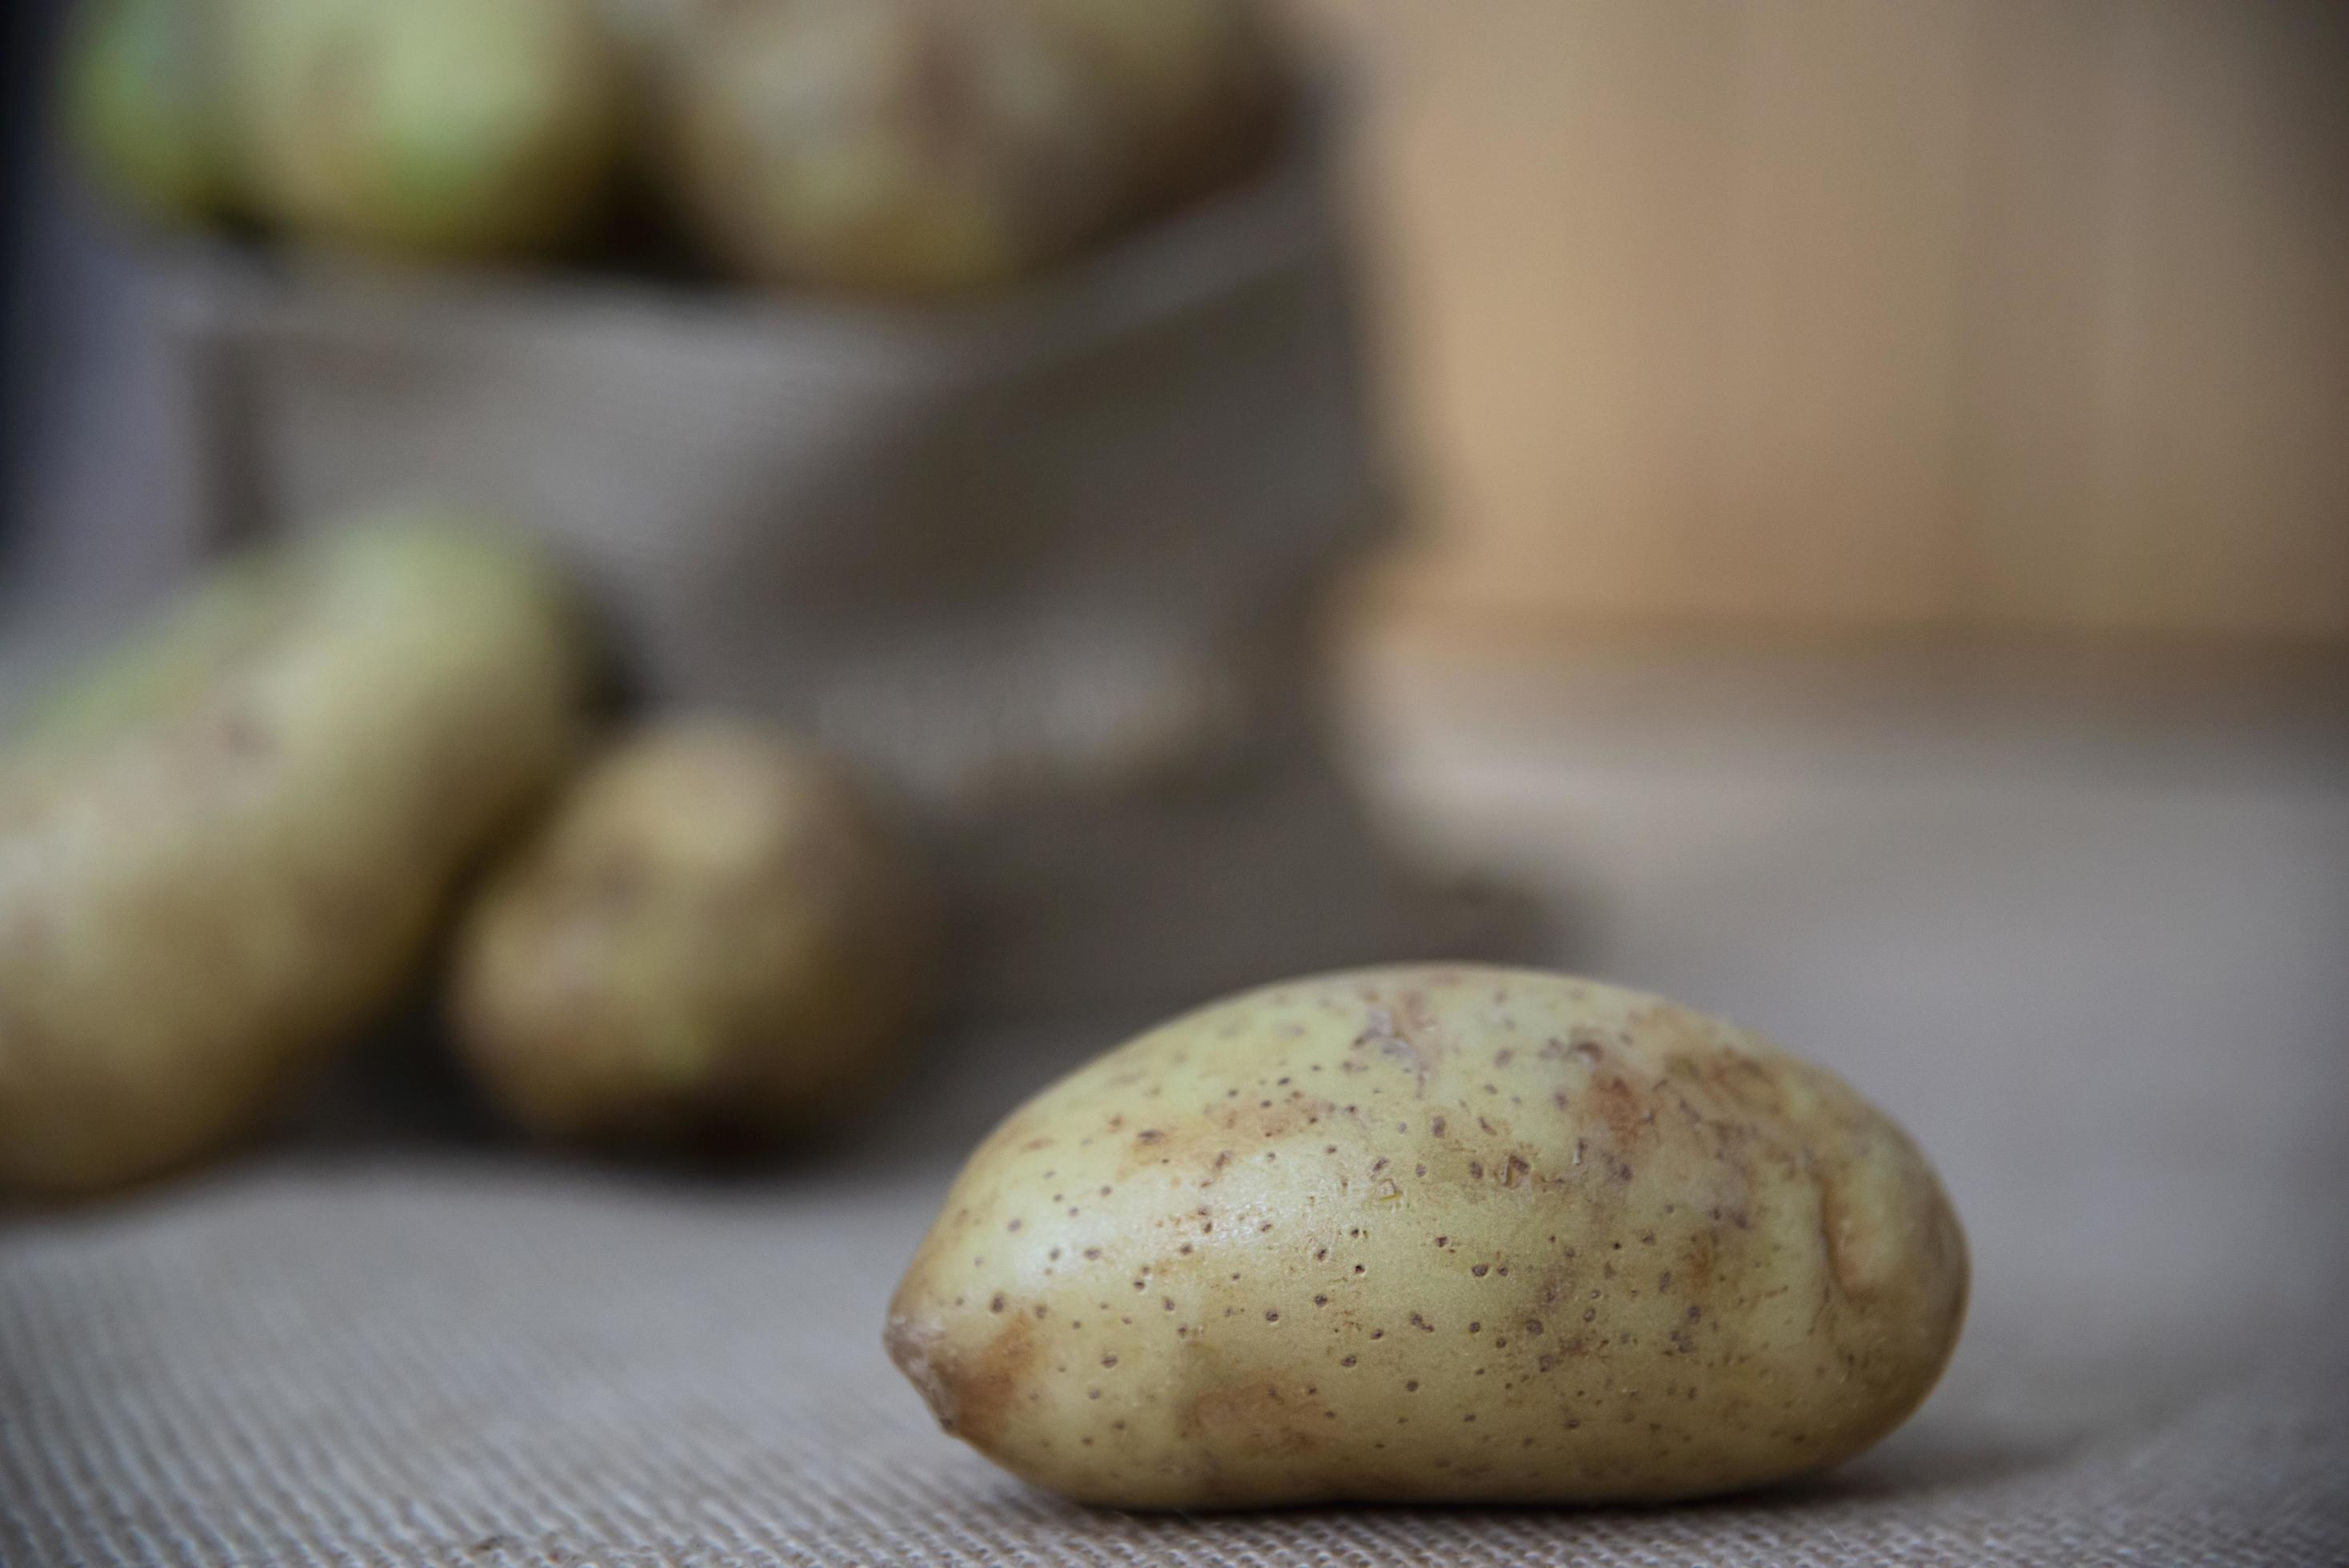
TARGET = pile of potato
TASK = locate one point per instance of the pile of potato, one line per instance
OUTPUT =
(905, 147)
(234, 843)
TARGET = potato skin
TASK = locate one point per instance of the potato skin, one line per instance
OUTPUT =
(905, 147)
(715, 944)
(435, 129)
(921, 147)
(226, 845)
(1440, 1235)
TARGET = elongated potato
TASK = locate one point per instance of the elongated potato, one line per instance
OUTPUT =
(225, 848)
(1440, 1234)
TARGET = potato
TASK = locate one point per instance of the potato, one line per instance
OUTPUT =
(226, 847)
(139, 106)
(891, 146)
(920, 147)
(715, 942)
(1434, 1234)
(431, 128)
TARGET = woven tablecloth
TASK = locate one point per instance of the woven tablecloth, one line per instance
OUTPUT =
(487, 1362)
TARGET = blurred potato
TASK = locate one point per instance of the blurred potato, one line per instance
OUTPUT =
(920, 147)
(444, 129)
(891, 146)
(715, 944)
(225, 847)
(1434, 1233)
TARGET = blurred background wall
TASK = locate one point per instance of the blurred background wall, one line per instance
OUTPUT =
(1827, 314)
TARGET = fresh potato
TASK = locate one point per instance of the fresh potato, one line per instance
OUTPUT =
(920, 147)
(1435, 1234)
(431, 128)
(715, 943)
(225, 847)
(139, 106)
(891, 146)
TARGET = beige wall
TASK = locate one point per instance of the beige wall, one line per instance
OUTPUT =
(1835, 313)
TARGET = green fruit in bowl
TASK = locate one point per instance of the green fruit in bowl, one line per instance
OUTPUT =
(714, 942)
(431, 128)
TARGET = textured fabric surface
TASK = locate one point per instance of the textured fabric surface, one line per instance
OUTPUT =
(490, 1362)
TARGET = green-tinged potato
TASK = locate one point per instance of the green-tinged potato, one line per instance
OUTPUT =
(716, 944)
(428, 128)
(224, 849)
(1434, 1234)
(140, 107)
(894, 146)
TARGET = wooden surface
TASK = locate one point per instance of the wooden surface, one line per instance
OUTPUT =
(1984, 313)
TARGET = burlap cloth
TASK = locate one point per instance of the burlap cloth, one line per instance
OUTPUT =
(2108, 994)
(444, 1362)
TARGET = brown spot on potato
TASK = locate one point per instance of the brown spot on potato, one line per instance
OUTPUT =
(972, 1398)
(1696, 1262)
(1244, 1414)
(1619, 1107)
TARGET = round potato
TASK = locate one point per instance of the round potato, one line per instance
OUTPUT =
(441, 130)
(715, 942)
(925, 147)
(226, 847)
(1437, 1234)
